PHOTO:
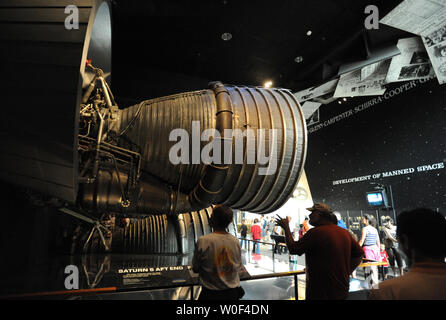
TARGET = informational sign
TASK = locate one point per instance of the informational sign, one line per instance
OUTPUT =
(413, 62)
(325, 99)
(313, 127)
(366, 81)
(156, 276)
(313, 119)
(309, 108)
(162, 276)
(315, 92)
(435, 44)
(392, 173)
(421, 17)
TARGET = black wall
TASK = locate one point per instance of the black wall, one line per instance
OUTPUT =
(367, 136)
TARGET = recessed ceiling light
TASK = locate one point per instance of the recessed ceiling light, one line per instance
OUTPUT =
(345, 99)
(226, 36)
(299, 59)
(268, 84)
(309, 32)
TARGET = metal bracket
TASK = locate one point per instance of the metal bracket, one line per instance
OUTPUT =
(97, 227)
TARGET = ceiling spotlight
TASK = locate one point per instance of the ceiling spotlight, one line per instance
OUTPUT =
(226, 36)
(299, 59)
(309, 32)
(340, 102)
(268, 84)
(345, 99)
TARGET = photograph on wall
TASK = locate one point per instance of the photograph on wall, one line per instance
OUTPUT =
(315, 92)
(413, 62)
(421, 17)
(366, 81)
(326, 98)
(435, 37)
(309, 108)
(313, 119)
(435, 44)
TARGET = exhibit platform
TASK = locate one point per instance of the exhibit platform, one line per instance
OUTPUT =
(267, 276)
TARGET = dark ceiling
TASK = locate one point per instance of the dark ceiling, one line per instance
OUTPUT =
(169, 46)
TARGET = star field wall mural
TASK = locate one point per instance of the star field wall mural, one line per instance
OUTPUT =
(396, 140)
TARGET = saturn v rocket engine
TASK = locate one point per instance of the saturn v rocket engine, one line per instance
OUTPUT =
(167, 160)
(128, 156)
(128, 153)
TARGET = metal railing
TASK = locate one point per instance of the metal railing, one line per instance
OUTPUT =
(108, 290)
(273, 245)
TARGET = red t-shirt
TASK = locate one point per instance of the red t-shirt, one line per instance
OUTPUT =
(384, 258)
(256, 232)
(328, 252)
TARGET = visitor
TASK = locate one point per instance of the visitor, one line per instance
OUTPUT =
(331, 254)
(217, 259)
(425, 249)
(391, 244)
(256, 233)
(340, 222)
(243, 234)
(370, 244)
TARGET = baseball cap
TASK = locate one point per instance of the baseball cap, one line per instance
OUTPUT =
(321, 207)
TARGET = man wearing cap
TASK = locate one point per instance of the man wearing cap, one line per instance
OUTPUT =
(331, 254)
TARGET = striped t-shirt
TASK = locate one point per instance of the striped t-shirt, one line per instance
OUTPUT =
(371, 236)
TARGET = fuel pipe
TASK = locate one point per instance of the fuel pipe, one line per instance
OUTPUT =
(215, 174)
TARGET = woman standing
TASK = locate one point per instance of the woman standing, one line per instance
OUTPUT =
(391, 244)
(370, 244)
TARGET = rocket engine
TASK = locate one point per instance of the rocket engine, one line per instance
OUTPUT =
(132, 160)
(167, 160)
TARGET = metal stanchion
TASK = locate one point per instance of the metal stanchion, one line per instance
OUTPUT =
(296, 287)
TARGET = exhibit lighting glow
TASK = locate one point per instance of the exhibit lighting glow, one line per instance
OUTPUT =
(268, 84)
(226, 36)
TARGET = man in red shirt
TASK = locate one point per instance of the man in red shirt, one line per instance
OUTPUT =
(256, 232)
(331, 254)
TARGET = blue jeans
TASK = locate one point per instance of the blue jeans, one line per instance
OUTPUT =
(256, 247)
(243, 241)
